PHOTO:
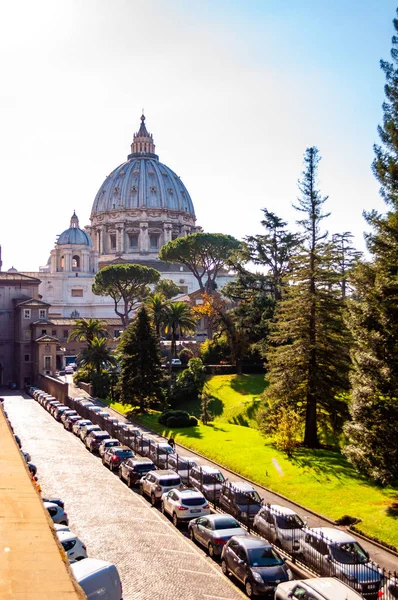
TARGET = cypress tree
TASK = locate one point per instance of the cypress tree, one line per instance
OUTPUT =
(373, 319)
(308, 355)
(141, 376)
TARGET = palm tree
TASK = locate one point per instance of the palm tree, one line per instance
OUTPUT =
(86, 330)
(178, 319)
(96, 355)
(157, 307)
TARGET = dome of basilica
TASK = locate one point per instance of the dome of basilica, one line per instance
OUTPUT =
(142, 182)
(140, 206)
(74, 235)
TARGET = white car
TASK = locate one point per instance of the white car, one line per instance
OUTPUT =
(57, 513)
(69, 370)
(183, 505)
(79, 424)
(318, 588)
(155, 483)
(73, 546)
(59, 527)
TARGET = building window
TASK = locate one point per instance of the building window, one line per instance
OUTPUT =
(47, 362)
(26, 313)
(76, 263)
(154, 241)
(116, 333)
(112, 239)
(42, 313)
(44, 331)
(65, 333)
(184, 289)
(77, 293)
(133, 240)
(54, 333)
(27, 357)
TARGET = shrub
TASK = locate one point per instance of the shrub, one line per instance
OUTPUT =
(177, 418)
(185, 355)
(215, 350)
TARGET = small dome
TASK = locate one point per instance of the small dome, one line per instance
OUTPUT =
(74, 235)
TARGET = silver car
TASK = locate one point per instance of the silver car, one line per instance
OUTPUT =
(280, 526)
(318, 588)
(57, 513)
(214, 531)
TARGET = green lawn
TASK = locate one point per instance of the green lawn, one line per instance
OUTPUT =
(235, 398)
(322, 480)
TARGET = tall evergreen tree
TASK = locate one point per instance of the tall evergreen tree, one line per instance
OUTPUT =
(141, 376)
(308, 354)
(345, 258)
(373, 319)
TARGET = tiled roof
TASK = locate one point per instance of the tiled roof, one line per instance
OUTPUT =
(159, 265)
(33, 302)
(47, 339)
(67, 321)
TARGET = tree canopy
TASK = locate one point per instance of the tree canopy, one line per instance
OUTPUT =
(204, 254)
(126, 285)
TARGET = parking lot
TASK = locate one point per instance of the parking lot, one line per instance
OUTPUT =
(154, 559)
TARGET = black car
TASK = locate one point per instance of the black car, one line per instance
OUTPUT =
(113, 457)
(255, 563)
(240, 500)
(133, 469)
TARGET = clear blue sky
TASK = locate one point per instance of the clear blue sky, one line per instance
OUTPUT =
(234, 91)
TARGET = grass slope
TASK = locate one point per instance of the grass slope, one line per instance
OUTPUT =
(322, 480)
(235, 398)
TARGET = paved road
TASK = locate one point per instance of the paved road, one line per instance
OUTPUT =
(154, 559)
(381, 556)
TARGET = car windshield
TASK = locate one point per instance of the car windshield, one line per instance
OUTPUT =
(226, 523)
(350, 553)
(164, 448)
(213, 478)
(111, 444)
(289, 522)
(170, 482)
(248, 498)
(102, 435)
(194, 501)
(146, 467)
(123, 453)
(263, 557)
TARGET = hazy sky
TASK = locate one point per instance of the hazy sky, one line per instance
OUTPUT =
(233, 91)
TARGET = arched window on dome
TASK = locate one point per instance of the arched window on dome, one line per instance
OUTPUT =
(76, 263)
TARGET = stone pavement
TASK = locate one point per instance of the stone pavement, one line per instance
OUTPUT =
(154, 559)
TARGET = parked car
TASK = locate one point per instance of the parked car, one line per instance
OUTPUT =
(184, 504)
(113, 457)
(26, 456)
(73, 546)
(208, 480)
(79, 424)
(18, 440)
(159, 453)
(108, 443)
(255, 563)
(94, 440)
(59, 527)
(86, 429)
(318, 588)
(181, 465)
(32, 468)
(68, 413)
(155, 483)
(57, 513)
(98, 579)
(175, 362)
(281, 526)
(130, 430)
(333, 552)
(214, 531)
(70, 421)
(133, 469)
(68, 370)
(240, 500)
(56, 501)
(142, 443)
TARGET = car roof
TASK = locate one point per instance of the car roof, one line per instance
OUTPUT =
(111, 440)
(88, 566)
(166, 473)
(282, 510)
(100, 433)
(240, 486)
(124, 448)
(52, 505)
(330, 534)
(218, 516)
(190, 493)
(209, 469)
(142, 460)
(63, 536)
(327, 585)
(251, 541)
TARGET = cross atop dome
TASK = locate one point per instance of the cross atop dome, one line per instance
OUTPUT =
(143, 142)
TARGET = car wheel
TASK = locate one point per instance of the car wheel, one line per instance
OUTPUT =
(175, 520)
(249, 589)
(153, 499)
(210, 549)
(224, 568)
(192, 535)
